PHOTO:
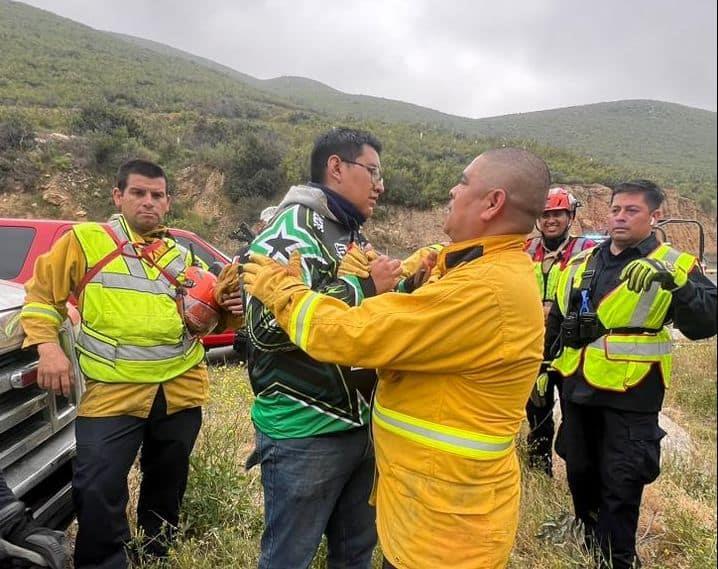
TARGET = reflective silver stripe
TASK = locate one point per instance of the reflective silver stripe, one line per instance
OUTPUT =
(573, 269)
(131, 282)
(640, 314)
(671, 256)
(119, 229)
(648, 349)
(453, 440)
(643, 308)
(130, 352)
(299, 320)
(134, 265)
(44, 312)
(176, 266)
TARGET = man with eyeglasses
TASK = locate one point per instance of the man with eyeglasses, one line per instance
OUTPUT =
(311, 418)
(456, 361)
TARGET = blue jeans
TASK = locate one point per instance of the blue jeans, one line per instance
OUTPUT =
(314, 486)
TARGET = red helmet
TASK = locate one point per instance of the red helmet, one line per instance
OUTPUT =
(561, 199)
(201, 311)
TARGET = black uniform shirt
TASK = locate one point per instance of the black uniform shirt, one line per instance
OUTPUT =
(692, 310)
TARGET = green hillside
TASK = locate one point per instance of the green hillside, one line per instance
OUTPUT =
(672, 142)
(676, 142)
(49, 61)
(122, 96)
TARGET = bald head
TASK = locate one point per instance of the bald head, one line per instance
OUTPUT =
(524, 177)
(503, 191)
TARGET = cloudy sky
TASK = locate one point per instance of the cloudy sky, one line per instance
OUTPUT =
(474, 58)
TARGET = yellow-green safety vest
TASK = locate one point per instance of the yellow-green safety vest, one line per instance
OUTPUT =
(618, 361)
(131, 330)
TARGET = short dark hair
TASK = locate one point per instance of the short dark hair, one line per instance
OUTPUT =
(344, 142)
(652, 193)
(143, 168)
(526, 179)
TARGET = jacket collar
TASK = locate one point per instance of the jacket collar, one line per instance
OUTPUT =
(463, 252)
(644, 248)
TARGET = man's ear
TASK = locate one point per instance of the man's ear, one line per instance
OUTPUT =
(334, 168)
(117, 196)
(496, 200)
(656, 216)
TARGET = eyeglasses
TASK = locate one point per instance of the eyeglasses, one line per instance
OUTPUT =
(374, 171)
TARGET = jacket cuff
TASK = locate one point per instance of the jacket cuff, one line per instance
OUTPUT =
(367, 286)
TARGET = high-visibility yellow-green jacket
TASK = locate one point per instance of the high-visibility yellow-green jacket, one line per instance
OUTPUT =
(456, 361)
(132, 330)
(635, 337)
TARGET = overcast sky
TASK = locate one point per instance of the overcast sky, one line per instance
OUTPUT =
(467, 57)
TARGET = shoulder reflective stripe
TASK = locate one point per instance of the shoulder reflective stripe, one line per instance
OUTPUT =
(111, 352)
(448, 439)
(118, 227)
(578, 245)
(671, 255)
(134, 265)
(571, 273)
(300, 319)
(131, 282)
(34, 310)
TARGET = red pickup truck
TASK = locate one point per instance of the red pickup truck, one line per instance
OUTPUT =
(24, 240)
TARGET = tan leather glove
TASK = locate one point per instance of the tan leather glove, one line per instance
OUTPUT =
(355, 262)
(227, 281)
(273, 283)
(414, 262)
(423, 272)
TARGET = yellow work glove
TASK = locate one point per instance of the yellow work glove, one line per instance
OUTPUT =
(273, 283)
(355, 262)
(642, 273)
(538, 393)
(423, 272)
(413, 262)
(227, 281)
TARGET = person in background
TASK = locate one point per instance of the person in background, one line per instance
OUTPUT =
(550, 252)
(456, 359)
(613, 305)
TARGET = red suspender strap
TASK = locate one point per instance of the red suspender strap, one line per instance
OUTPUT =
(89, 275)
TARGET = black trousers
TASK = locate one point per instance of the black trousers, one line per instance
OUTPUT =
(106, 449)
(541, 424)
(610, 456)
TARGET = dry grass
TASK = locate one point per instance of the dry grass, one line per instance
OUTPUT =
(222, 518)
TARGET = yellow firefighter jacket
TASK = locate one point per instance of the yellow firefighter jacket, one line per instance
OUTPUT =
(457, 360)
